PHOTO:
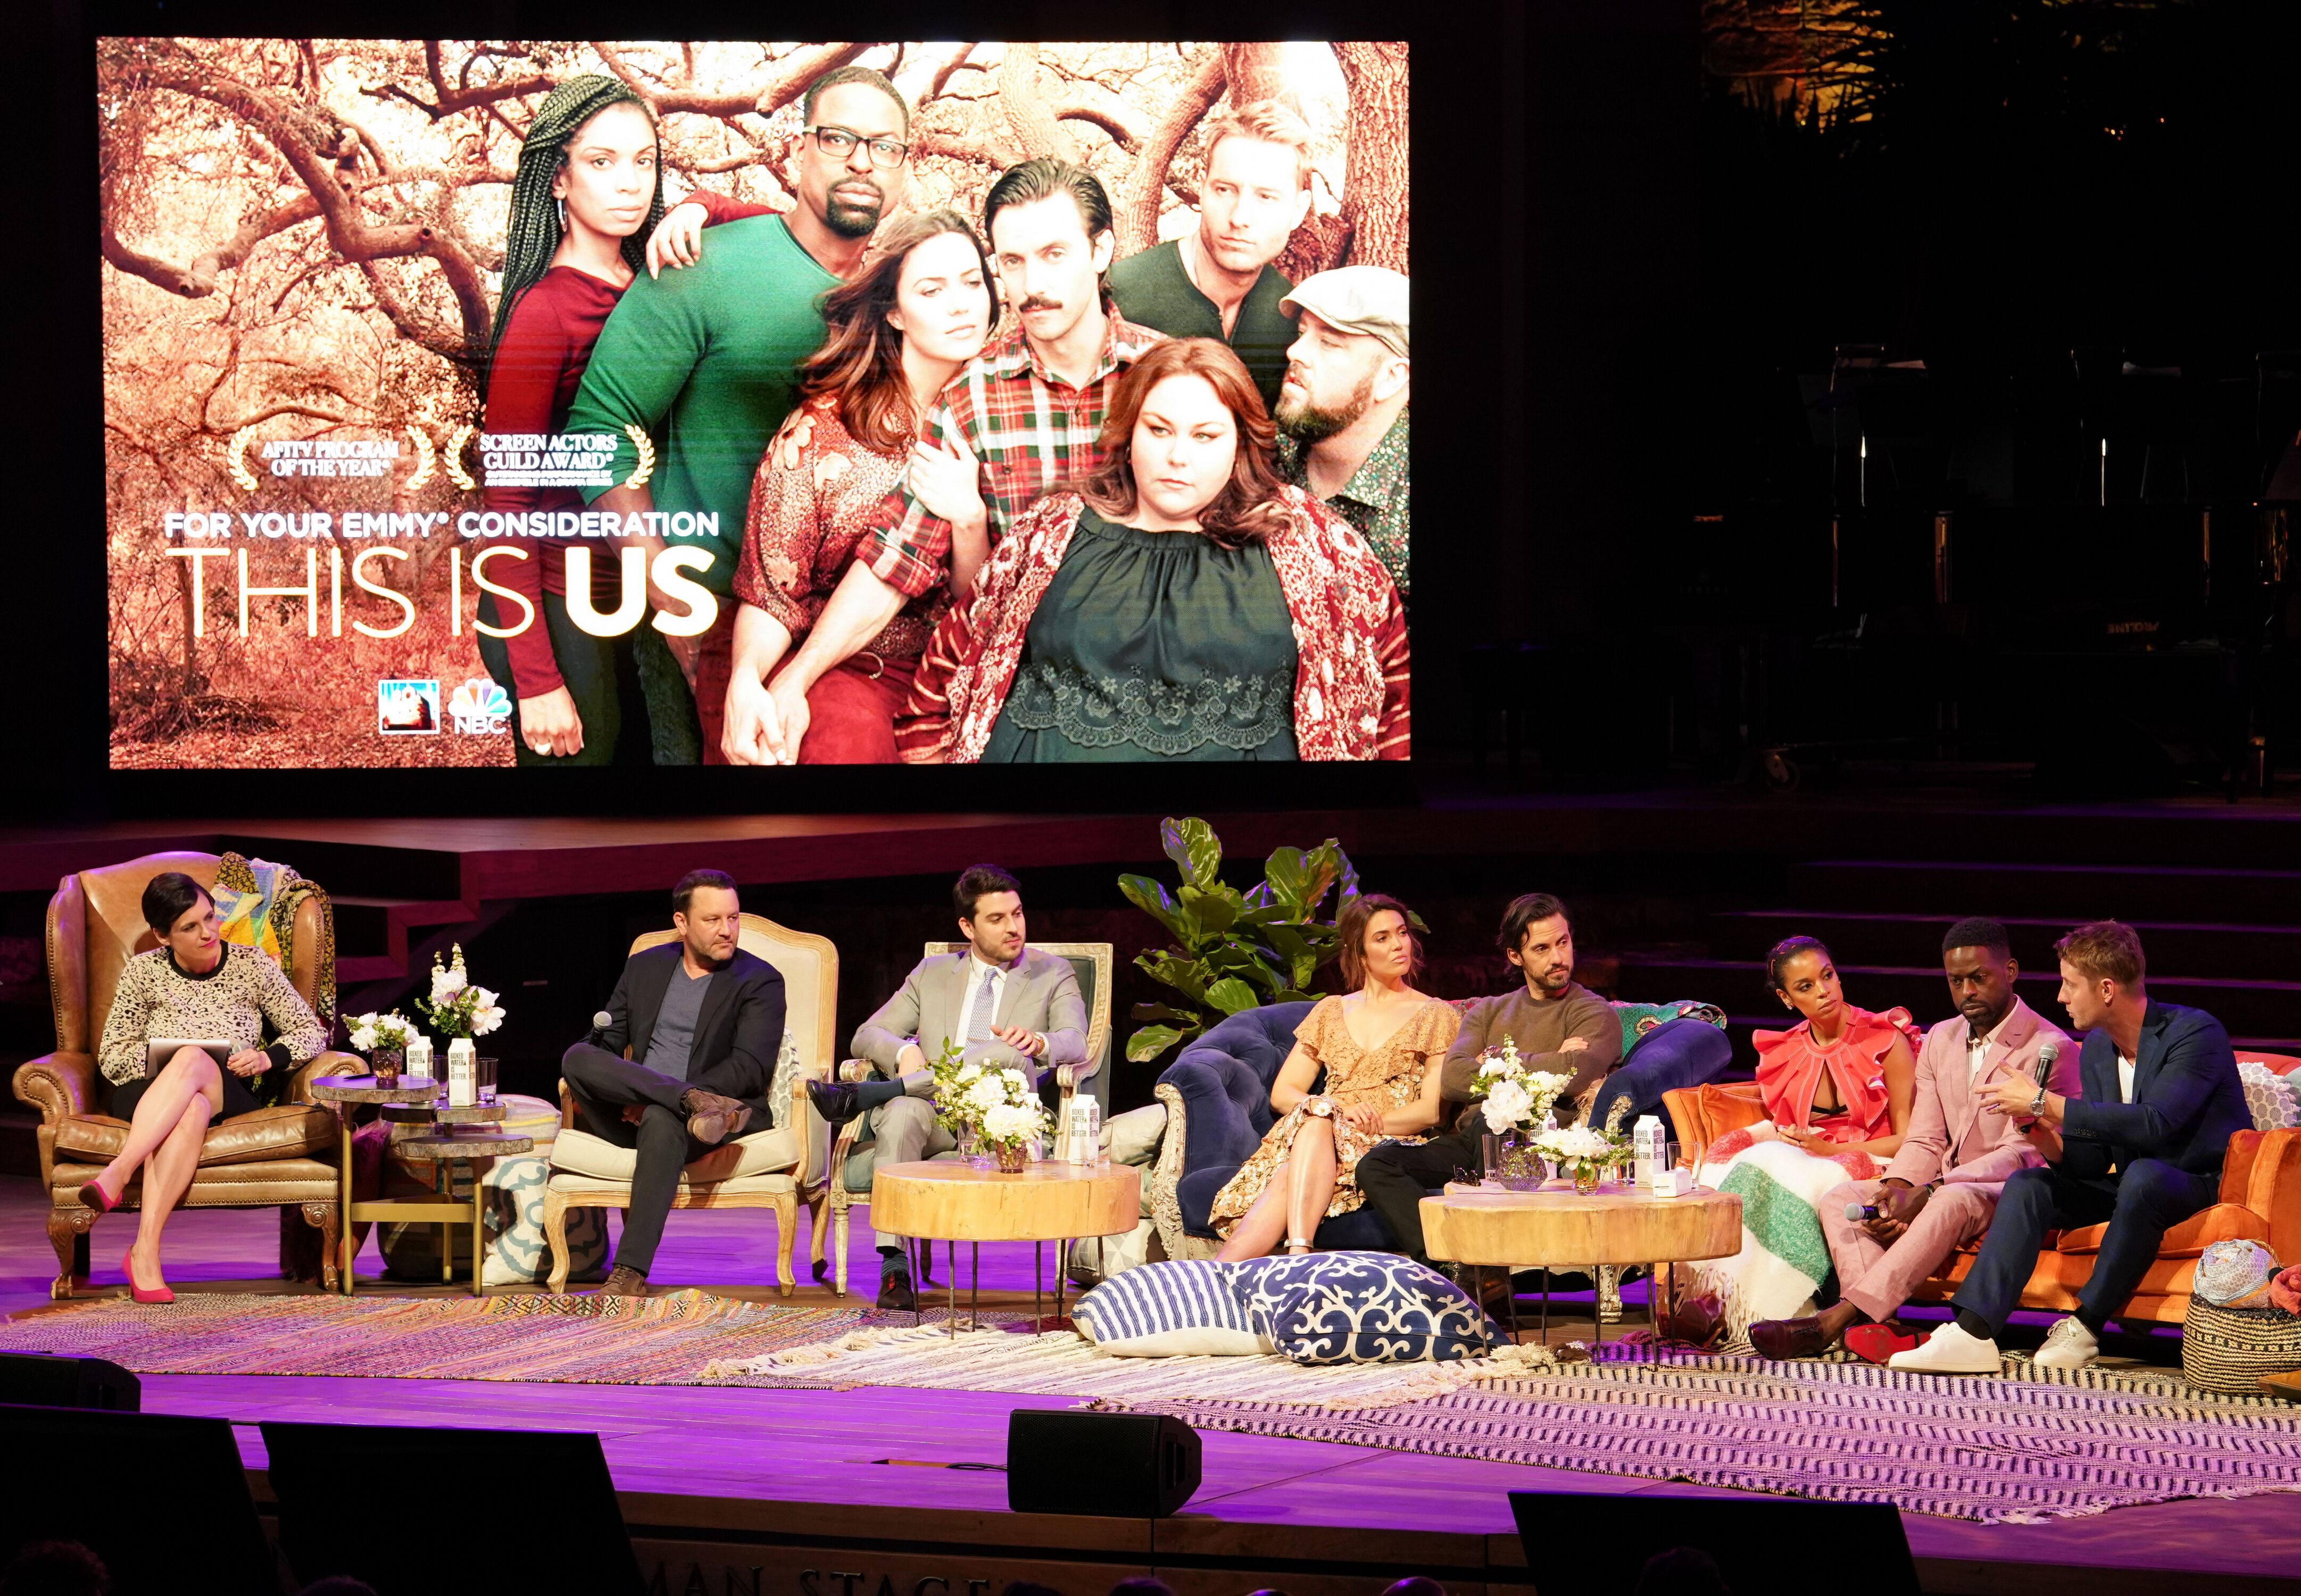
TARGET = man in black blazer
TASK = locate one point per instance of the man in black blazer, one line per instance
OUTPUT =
(704, 1022)
(2141, 1150)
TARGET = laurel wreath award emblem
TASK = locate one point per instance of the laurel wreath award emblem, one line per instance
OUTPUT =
(455, 471)
(646, 467)
(426, 458)
(238, 458)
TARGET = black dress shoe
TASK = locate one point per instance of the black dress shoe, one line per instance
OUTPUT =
(838, 1101)
(895, 1294)
(1781, 1339)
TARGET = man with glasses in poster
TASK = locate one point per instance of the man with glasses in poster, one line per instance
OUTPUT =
(705, 362)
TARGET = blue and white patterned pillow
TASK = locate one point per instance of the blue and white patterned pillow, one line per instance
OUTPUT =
(1172, 1309)
(1363, 1307)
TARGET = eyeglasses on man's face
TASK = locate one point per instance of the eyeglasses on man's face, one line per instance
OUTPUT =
(838, 143)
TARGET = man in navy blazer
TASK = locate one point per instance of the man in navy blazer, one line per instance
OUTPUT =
(2141, 1149)
(704, 1022)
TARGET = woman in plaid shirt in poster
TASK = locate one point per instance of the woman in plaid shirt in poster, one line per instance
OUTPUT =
(1180, 602)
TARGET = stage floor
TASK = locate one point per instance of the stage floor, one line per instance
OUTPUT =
(784, 1491)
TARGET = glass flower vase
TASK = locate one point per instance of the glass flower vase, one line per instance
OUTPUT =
(1512, 1162)
(1012, 1156)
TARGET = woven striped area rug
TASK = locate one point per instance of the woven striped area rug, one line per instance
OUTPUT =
(662, 1340)
(2024, 1446)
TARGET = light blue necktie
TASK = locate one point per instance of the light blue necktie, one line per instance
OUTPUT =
(978, 1024)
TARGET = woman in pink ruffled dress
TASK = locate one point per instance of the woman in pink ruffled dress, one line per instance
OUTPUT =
(1837, 1087)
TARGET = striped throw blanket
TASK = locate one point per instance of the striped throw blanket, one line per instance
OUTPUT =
(1784, 1256)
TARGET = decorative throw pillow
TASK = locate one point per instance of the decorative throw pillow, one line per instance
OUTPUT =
(779, 1090)
(1171, 1310)
(1362, 1308)
(2273, 1098)
(2234, 1274)
(513, 1216)
(1638, 1018)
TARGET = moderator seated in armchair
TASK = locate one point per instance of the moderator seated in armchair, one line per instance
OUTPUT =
(111, 996)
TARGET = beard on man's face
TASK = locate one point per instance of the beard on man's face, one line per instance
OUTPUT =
(854, 219)
(1306, 423)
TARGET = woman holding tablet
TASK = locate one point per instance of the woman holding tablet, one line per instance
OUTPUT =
(217, 996)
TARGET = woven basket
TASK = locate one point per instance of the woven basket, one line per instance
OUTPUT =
(2229, 1349)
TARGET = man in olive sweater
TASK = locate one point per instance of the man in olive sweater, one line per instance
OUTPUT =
(1558, 1026)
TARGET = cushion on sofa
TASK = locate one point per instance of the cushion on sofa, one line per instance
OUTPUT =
(1173, 1309)
(2274, 1099)
(579, 1152)
(2223, 1222)
(284, 1130)
(1364, 1307)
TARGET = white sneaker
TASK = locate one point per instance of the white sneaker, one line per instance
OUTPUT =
(1950, 1350)
(2069, 1345)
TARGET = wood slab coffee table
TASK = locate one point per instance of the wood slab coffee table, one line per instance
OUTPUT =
(945, 1199)
(1557, 1227)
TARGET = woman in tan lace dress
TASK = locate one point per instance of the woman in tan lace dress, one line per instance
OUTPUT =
(1380, 1047)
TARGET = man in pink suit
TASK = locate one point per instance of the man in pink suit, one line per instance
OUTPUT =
(1941, 1188)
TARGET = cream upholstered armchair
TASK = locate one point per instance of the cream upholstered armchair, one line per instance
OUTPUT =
(280, 1156)
(772, 1167)
(850, 1171)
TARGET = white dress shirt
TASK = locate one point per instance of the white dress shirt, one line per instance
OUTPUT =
(2124, 1079)
(1976, 1048)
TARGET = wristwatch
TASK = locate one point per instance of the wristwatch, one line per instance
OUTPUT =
(2038, 1103)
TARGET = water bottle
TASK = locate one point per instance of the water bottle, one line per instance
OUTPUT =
(1646, 1143)
(1085, 1131)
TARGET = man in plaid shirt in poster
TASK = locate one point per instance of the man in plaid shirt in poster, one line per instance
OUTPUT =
(1019, 418)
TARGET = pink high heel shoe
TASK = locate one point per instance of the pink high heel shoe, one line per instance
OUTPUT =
(93, 1196)
(128, 1267)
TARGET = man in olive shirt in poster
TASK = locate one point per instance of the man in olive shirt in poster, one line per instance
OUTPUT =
(1558, 1026)
(1218, 281)
(704, 361)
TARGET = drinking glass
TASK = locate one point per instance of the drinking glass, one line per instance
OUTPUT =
(483, 1080)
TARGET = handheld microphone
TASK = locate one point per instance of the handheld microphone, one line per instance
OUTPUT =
(1861, 1212)
(2045, 1056)
(600, 1021)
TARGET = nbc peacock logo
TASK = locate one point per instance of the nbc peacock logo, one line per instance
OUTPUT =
(480, 708)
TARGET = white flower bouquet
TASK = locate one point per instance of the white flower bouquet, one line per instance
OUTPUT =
(379, 1033)
(456, 1007)
(1582, 1153)
(1512, 1097)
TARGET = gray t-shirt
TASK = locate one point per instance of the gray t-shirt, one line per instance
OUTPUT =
(673, 1037)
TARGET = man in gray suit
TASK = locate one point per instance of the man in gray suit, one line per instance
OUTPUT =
(1006, 1004)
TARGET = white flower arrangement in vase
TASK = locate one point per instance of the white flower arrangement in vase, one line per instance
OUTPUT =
(456, 1008)
(1584, 1154)
(1515, 1102)
(383, 1038)
(1007, 1115)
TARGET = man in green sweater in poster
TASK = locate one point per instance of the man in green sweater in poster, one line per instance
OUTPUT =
(1216, 281)
(705, 362)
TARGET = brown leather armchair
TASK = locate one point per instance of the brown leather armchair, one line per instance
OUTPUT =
(283, 1156)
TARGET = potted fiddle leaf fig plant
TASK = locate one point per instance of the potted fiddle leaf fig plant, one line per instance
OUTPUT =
(1234, 950)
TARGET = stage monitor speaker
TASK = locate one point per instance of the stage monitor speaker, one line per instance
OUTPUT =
(472, 1498)
(162, 1498)
(1589, 1543)
(1108, 1465)
(43, 1380)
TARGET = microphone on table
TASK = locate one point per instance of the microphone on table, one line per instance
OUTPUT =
(600, 1021)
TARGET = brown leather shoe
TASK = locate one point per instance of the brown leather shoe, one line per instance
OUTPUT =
(1782, 1340)
(622, 1281)
(712, 1119)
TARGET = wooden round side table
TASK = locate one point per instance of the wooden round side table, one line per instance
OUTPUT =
(424, 1131)
(1557, 1226)
(945, 1199)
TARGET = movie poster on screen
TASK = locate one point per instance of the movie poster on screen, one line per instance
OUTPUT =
(319, 556)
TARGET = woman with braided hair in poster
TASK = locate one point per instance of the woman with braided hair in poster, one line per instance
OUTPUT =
(588, 192)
